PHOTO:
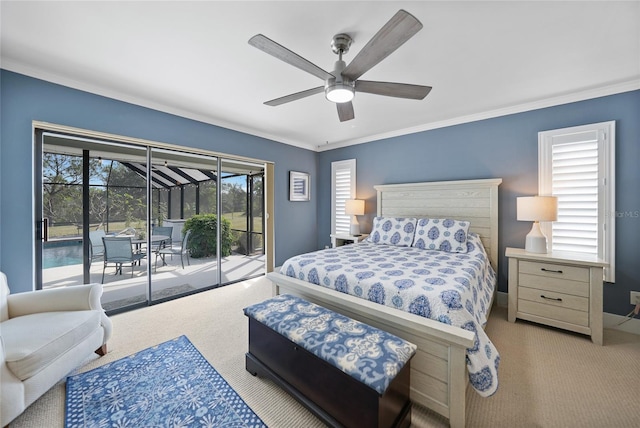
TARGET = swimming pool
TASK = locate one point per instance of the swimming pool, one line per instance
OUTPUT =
(61, 253)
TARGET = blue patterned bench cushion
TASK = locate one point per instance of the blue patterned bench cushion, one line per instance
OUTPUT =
(372, 356)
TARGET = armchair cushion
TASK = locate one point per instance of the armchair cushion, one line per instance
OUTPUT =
(32, 342)
(75, 298)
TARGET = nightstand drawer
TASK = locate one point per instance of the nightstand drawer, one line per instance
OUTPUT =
(551, 312)
(555, 271)
(557, 285)
(555, 299)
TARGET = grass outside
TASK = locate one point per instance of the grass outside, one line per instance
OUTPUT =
(238, 222)
(75, 231)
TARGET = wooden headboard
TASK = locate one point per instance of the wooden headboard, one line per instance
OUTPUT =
(472, 200)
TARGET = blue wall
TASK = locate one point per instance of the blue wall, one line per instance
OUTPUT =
(505, 147)
(24, 99)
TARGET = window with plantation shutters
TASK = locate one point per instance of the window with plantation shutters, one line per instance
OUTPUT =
(577, 165)
(343, 187)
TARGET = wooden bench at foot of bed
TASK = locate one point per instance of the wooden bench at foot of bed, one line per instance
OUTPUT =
(337, 397)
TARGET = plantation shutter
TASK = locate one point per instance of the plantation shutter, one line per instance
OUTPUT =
(343, 187)
(574, 168)
(574, 180)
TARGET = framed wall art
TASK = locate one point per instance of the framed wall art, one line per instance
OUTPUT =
(299, 186)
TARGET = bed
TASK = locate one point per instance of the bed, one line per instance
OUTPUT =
(439, 373)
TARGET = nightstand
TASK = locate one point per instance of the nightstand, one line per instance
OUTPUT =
(340, 239)
(559, 289)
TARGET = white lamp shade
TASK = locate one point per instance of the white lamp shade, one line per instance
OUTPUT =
(354, 207)
(537, 208)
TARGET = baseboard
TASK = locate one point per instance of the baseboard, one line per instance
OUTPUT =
(610, 321)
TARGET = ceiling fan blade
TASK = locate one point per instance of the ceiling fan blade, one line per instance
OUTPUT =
(274, 49)
(389, 89)
(296, 96)
(400, 28)
(345, 111)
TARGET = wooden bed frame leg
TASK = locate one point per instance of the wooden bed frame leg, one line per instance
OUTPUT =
(457, 387)
(102, 351)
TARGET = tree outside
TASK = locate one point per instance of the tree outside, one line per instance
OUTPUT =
(117, 198)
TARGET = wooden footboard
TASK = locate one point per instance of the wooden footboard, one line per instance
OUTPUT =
(438, 370)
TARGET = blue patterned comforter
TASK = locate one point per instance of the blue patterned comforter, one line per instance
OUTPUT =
(452, 288)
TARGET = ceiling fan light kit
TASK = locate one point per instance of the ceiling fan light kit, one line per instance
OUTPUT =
(339, 89)
(342, 83)
(339, 93)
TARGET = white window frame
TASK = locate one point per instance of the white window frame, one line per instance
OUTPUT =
(338, 215)
(604, 132)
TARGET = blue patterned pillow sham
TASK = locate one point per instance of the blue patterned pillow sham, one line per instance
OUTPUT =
(393, 231)
(441, 234)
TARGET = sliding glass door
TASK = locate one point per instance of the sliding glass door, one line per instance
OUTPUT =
(242, 213)
(183, 233)
(92, 202)
(63, 220)
(190, 221)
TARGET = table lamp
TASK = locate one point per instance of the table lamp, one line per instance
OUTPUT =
(354, 207)
(537, 209)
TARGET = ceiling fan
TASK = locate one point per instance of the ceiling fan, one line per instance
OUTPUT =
(342, 83)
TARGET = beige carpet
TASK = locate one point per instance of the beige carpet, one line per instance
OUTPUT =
(548, 377)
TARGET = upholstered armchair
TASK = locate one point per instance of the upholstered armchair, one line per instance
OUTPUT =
(45, 335)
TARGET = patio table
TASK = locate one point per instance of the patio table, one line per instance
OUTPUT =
(155, 240)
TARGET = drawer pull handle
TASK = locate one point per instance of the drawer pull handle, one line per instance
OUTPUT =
(550, 270)
(551, 298)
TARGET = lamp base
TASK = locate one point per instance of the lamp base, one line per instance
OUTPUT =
(536, 242)
(354, 230)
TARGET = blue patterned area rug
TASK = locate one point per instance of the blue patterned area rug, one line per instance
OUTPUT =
(168, 385)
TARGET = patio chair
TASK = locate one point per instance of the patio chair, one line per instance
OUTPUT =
(181, 250)
(118, 250)
(161, 231)
(96, 250)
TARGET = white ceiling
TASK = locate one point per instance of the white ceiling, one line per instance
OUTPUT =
(483, 59)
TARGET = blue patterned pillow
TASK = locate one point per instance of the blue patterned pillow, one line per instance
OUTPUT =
(441, 234)
(393, 231)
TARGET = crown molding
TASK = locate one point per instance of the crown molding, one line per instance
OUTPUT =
(617, 88)
(21, 68)
(27, 70)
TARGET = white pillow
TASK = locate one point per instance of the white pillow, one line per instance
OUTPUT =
(442, 234)
(393, 231)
